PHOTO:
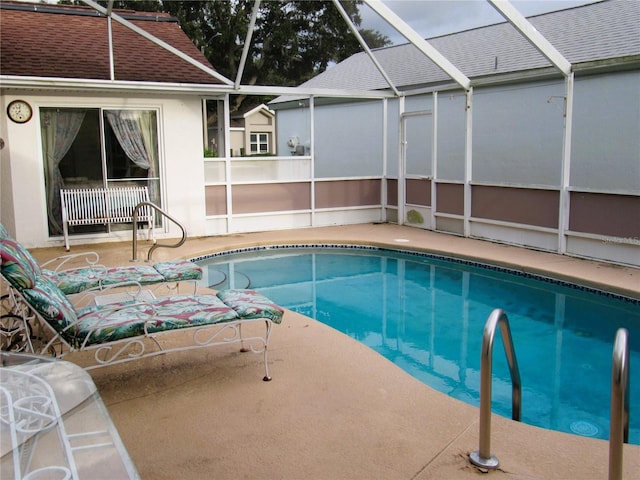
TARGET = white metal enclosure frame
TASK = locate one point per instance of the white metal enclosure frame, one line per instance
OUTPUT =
(228, 87)
(524, 27)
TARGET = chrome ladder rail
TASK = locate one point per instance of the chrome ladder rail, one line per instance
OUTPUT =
(483, 457)
(619, 420)
(155, 245)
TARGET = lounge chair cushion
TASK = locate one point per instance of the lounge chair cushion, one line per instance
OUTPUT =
(78, 280)
(18, 266)
(47, 299)
(129, 319)
(251, 304)
(179, 270)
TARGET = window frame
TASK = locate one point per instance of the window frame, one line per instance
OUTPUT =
(258, 143)
(105, 180)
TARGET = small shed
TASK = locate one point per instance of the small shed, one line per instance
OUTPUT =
(253, 131)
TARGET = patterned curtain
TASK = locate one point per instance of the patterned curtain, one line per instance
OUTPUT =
(59, 129)
(136, 132)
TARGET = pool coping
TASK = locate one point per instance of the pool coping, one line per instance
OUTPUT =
(542, 275)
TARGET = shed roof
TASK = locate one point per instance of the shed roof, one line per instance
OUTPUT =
(63, 41)
(248, 110)
(594, 32)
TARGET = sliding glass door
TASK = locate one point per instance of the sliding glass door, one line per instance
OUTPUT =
(96, 148)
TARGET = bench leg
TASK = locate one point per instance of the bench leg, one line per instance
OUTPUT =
(150, 236)
(65, 231)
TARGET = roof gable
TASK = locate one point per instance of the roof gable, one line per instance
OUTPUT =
(72, 42)
(252, 110)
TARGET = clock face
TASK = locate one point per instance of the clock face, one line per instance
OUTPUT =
(19, 111)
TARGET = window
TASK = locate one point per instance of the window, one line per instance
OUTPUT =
(214, 142)
(259, 143)
(93, 147)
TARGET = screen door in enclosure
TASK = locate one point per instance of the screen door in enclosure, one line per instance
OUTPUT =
(417, 168)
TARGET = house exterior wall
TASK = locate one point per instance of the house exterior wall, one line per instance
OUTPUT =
(237, 136)
(23, 209)
(294, 125)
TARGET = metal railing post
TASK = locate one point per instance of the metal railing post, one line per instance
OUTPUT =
(483, 457)
(619, 420)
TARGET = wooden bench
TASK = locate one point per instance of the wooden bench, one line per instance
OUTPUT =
(103, 206)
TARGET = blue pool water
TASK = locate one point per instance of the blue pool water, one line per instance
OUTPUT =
(426, 314)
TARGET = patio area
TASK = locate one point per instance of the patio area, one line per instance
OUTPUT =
(334, 409)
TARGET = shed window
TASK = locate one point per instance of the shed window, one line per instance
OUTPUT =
(259, 143)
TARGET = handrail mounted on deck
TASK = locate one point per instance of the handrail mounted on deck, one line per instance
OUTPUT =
(619, 420)
(134, 258)
(483, 457)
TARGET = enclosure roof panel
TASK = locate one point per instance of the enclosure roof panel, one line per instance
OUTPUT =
(42, 40)
(598, 31)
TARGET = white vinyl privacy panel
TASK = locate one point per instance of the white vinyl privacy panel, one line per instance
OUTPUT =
(518, 134)
(451, 118)
(348, 140)
(606, 133)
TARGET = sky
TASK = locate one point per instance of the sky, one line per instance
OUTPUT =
(431, 18)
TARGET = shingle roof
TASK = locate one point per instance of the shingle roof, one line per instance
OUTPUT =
(72, 42)
(598, 31)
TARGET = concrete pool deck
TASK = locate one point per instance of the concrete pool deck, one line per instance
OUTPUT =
(334, 409)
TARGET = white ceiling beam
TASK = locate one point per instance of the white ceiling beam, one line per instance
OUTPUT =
(420, 43)
(158, 42)
(247, 43)
(364, 45)
(515, 18)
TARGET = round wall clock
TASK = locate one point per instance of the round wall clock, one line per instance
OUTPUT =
(19, 111)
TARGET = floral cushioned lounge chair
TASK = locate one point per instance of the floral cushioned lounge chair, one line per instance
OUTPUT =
(126, 330)
(95, 276)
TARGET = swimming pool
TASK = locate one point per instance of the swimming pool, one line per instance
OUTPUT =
(427, 313)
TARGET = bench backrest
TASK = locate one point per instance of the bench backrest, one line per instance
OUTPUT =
(93, 205)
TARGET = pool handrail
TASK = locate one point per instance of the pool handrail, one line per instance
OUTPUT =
(483, 457)
(619, 420)
(155, 207)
